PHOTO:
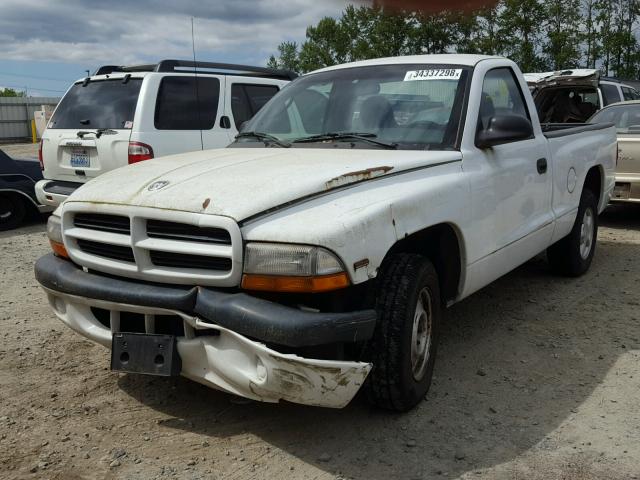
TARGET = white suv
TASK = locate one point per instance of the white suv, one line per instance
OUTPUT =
(124, 115)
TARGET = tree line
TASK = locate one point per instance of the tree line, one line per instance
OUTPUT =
(539, 35)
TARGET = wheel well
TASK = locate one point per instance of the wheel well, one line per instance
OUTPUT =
(593, 182)
(441, 245)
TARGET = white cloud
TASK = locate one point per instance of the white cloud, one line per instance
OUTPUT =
(125, 32)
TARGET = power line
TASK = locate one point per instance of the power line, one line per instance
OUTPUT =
(37, 77)
(27, 87)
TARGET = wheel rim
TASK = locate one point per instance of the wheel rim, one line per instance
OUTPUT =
(5, 210)
(586, 233)
(421, 335)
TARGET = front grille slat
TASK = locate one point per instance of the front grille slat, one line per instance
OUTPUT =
(177, 251)
(186, 232)
(114, 252)
(103, 223)
(181, 260)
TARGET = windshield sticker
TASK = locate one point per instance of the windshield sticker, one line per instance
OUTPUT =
(434, 74)
(128, 124)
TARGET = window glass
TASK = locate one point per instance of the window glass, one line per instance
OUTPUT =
(625, 117)
(609, 93)
(630, 93)
(99, 104)
(412, 106)
(501, 95)
(183, 104)
(247, 100)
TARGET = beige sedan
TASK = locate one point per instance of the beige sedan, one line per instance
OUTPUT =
(626, 117)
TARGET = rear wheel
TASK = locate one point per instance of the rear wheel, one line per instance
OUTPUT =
(573, 254)
(12, 211)
(403, 348)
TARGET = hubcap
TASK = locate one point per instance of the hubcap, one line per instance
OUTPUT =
(421, 335)
(587, 233)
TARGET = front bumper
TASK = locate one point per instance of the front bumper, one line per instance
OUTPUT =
(227, 360)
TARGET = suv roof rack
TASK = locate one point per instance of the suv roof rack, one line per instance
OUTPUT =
(186, 66)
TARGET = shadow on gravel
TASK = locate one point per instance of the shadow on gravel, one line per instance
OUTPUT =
(514, 362)
(621, 216)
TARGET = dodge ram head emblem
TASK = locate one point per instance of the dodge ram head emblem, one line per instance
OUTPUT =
(157, 185)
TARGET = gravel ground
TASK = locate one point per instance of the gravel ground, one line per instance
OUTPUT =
(537, 377)
(21, 150)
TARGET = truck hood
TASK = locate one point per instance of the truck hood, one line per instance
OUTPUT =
(242, 182)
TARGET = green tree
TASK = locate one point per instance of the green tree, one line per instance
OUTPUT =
(519, 27)
(10, 92)
(590, 35)
(562, 45)
(287, 58)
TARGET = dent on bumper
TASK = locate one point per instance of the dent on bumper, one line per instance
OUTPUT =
(228, 361)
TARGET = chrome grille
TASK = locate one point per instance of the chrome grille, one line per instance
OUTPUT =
(153, 244)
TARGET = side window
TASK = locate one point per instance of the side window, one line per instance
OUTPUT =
(501, 95)
(609, 93)
(183, 104)
(246, 100)
(630, 93)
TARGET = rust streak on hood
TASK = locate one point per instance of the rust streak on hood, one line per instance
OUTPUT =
(357, 176)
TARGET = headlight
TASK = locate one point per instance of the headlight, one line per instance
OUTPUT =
(292, 268)
(54, 232)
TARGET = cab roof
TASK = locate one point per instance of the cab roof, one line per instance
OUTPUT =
(441, 59)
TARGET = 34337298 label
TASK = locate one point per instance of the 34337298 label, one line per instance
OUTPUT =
(433, 74)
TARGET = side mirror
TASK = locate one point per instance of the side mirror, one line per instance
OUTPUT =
(504, 129)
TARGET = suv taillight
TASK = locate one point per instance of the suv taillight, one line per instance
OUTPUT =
(40, 155)
(139, 151)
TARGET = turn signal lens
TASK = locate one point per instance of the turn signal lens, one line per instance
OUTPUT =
(40, 158)
(276, 283)
(58, 249)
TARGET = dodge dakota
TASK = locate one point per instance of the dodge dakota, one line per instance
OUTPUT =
(314, 257)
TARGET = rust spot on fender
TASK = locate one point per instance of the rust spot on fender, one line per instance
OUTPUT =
(206, 203)
(357, 176)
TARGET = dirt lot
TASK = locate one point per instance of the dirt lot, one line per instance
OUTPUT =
(537, 377)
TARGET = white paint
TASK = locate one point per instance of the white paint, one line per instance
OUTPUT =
(230, 362)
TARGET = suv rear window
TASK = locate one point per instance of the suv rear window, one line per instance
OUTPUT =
(181, 107)
(99, 104)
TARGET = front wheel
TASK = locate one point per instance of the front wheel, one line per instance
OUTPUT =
(12, 211)
(573, 254)
(403, 348)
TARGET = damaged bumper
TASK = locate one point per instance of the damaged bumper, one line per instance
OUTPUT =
(214, 344)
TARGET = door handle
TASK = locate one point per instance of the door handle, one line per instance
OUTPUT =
(541, 165)
(225, 122)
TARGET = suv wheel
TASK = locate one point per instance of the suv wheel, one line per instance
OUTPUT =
(403, 348)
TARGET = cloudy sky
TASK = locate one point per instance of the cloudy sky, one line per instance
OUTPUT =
(46, 44)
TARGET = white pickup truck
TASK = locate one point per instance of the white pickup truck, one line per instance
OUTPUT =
(316, 254)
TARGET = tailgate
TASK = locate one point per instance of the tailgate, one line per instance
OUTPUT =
(69, 157)
(628, 155)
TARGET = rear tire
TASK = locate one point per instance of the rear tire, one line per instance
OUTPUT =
(12, 211)
(572, 255)
(403, 348)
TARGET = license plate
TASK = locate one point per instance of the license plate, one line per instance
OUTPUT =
(622, 191)
(80, 158)
(145, 353)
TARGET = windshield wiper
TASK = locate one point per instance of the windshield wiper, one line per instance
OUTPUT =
(98, 133)
(361, 136)
(265, 137)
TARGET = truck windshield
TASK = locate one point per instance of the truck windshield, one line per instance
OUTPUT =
(625, 117)
(412, 107)
(99, 104)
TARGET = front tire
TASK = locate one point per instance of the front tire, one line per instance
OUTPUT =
(572, 255)
(12, 211)
(403, 348)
